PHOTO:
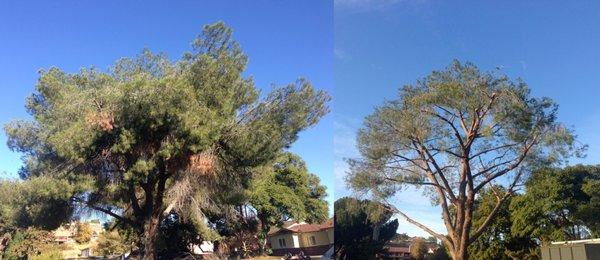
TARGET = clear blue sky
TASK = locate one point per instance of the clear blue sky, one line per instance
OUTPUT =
(284, 40)
(382, 45)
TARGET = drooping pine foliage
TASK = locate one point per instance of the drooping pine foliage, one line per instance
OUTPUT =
(152, 136)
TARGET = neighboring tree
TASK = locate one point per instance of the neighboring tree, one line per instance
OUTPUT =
(110, 243)
(589, 211)
(362, 228)
(152, 137)
(40, 203)
(176, 237)
(31, 243)
(418, 249)
(454, 133)
(557, 204)
(84, 233)
(286, 190)
(498, 241)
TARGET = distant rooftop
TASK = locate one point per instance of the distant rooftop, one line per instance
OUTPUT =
(301, 227)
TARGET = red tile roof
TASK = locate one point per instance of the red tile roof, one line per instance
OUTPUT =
(301, 228)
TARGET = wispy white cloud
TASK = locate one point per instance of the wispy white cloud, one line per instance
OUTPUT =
(362, 6)
(523, 64)
(359, 6)
(344, 142)
(340, 169)
(340, 54)
(344, 137)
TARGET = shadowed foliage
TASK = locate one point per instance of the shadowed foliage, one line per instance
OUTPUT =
(362, 228)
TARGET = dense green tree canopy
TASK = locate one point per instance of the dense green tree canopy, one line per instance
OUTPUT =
(32, 243)
(498, 241)
(557, 204)
(110, 243)
(84, 233)
(455, 132)
(152, 135)
(362, 228)
(39, 202)
(286, 190)
(588, 211)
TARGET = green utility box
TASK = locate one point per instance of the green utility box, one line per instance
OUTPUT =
(579, 251)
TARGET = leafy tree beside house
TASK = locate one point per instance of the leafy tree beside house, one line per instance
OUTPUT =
(454, 133)
(589, 211)
(151, 137)
(286, 190)
(32, 243)
(362, 228)
(418, 249)
(553, 207)
(558, 204)
(110, 243)
(28, 209)
(84, 232)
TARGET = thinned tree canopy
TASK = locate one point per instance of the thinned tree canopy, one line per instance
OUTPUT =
(457, 131)
(152, 135)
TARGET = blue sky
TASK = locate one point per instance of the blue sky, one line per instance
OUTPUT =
(382, 45)
(284, 40)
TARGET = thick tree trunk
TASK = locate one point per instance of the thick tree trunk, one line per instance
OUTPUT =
(150, 236)
(264, 229)
(460, 254)
(151, 228)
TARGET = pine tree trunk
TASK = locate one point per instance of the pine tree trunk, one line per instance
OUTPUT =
(152, 226)
(150, 237)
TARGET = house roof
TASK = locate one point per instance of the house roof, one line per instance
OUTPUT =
(63, 232)
(70, 229)
(397, 249)
(301, 227)
(397, 244)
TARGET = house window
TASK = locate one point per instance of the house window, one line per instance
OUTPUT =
(313, 240)
(282, 242)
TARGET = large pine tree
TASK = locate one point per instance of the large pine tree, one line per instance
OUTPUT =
(152, 136)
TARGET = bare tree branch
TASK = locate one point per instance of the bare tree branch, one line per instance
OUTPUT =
(421, 226)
